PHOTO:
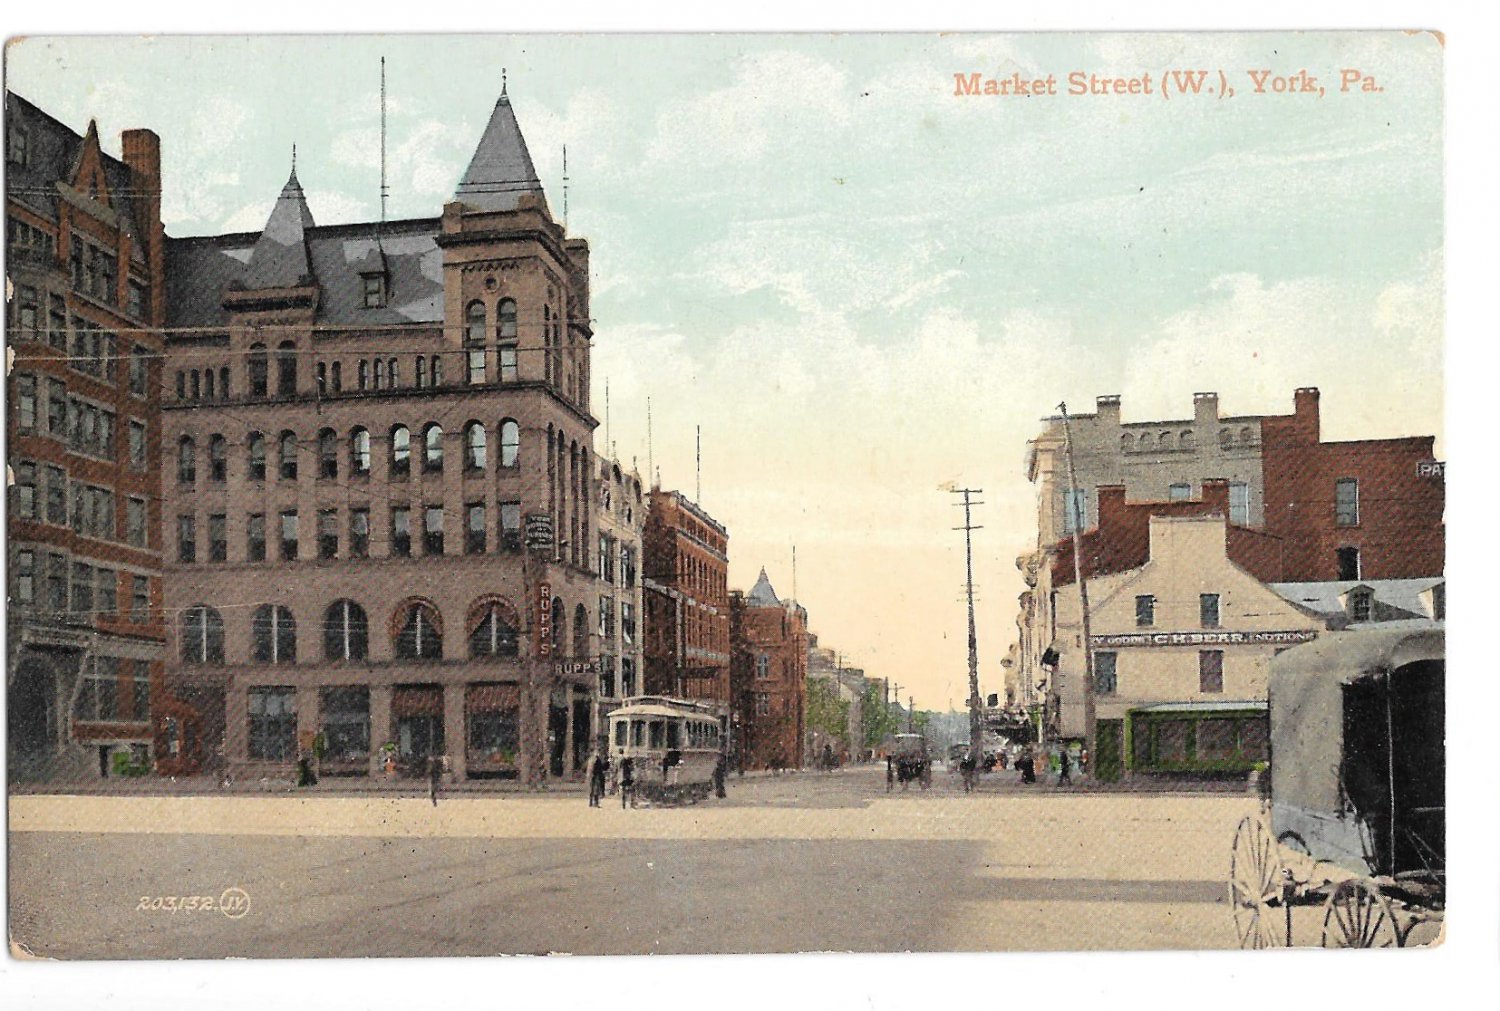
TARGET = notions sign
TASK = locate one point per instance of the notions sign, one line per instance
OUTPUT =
(539, 530)
(544, 619)
(1287, 638)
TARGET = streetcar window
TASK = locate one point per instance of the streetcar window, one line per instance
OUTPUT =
(674, 734)
(621, 732)
(638, 733)
(658, 733)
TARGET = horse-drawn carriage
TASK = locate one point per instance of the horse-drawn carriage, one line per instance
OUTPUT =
(907, 761)
(1352, 817)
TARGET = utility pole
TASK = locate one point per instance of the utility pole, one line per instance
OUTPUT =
(1089, 717)
(976, 711)
(911, 714)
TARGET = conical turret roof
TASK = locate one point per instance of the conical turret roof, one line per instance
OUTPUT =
(279, 259)
(762, 594)
(501, 170)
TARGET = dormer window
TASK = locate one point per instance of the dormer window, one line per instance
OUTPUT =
(18, 150)
(1360, 603)
(374, 290)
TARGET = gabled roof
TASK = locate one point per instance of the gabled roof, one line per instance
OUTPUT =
(501, 170)
(1391, 599)
(280, 258)
(762, 594)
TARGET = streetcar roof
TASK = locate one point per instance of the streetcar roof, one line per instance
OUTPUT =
(648, 709)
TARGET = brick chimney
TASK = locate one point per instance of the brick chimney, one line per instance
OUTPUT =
(142, 155)
(1206, 408)
(1216, 495)
(1107, 409)
(1305, 410)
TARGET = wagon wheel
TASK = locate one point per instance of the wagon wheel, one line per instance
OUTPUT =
(1357, 915)
(1255, 886)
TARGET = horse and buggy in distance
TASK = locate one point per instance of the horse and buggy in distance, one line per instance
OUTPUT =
(675, 747)
(907, 760)
(1352, 812)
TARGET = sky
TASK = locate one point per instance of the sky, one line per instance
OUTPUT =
(863, 287)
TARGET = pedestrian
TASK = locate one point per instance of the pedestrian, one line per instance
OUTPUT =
(1064, 773)
(1027, 764)
(720, 768)
(434, 775)
(827, 757)
(966, 769)
(597, 773)
(627, 782)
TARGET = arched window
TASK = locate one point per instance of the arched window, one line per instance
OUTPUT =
(286, 369)
(217, 465)
(510, 443)
(187, 460)
(580, 632)
(493, 629)
(346, 631)
(420, 635)
(474, 323)
(1127, 443)
(363, 374)
(421, 371)
(393, 373)
(202, 636)
(328, 453)
(338, 377)
(474, 446)
(507, 319)
(400, 451)
(1164, 440)
(559, 619)
(436, 366)
(359, 451)
(321, 375)
(208, 383)
(1226, 437)
(288, 455)
(432, 447)
(256, 445)
(197, 385)
(273, 635)
(379, 373)
(259, 371)
(181, 385)
(1186, 440)
(1245, 436)
(224, 383)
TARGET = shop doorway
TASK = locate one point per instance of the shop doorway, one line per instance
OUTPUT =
(32, 710)
(418, 714)
(557, 739)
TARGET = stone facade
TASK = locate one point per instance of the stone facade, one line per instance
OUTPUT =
(687, 600)
(84, 272)
(379, 485)
(622, 518)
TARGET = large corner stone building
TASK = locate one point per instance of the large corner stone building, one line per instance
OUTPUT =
(84, 294)
(379, 488)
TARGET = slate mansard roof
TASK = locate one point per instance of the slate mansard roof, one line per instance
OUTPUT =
(201, 270)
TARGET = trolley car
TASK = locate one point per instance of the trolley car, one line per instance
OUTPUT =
(675, 747)
(1352, 819)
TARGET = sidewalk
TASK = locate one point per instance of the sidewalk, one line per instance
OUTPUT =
(346, 786)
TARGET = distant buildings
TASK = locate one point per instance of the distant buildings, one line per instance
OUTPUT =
(687, 600)
(622, 518)
(769, 674)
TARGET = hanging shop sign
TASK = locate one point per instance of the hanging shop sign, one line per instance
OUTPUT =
(544, 619)
(539, 530)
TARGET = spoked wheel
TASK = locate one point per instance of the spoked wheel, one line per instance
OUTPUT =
(1357, 915)
(1255, 886)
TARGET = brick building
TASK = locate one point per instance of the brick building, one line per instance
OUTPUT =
(686, 598)
(379, 484)
(768, 639)
(1363, 509)
(84, 273)
(621, 510)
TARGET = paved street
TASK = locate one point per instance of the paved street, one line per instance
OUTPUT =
(797, 862)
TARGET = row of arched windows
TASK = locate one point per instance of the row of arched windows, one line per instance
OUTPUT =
(416, 630)
(357, 449)
(1146, 442)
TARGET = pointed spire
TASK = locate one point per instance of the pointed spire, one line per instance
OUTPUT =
(762, 594)
(501, 169)
(280, 259)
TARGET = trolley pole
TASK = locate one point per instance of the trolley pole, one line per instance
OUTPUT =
(976, 713)
(1090, 718)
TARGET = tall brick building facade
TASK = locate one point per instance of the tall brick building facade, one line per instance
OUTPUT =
(687, 600)
(380, 487)
(768, 639)
(84, 271)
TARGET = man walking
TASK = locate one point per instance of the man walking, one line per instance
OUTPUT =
(598, 769)
(434, 775)
(627, 782)
(1064, 774)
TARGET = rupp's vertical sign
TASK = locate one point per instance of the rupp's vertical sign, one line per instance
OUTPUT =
(544, 619)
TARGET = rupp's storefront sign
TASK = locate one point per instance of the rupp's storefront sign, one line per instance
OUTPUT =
(544, 619)
(1288, 638)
